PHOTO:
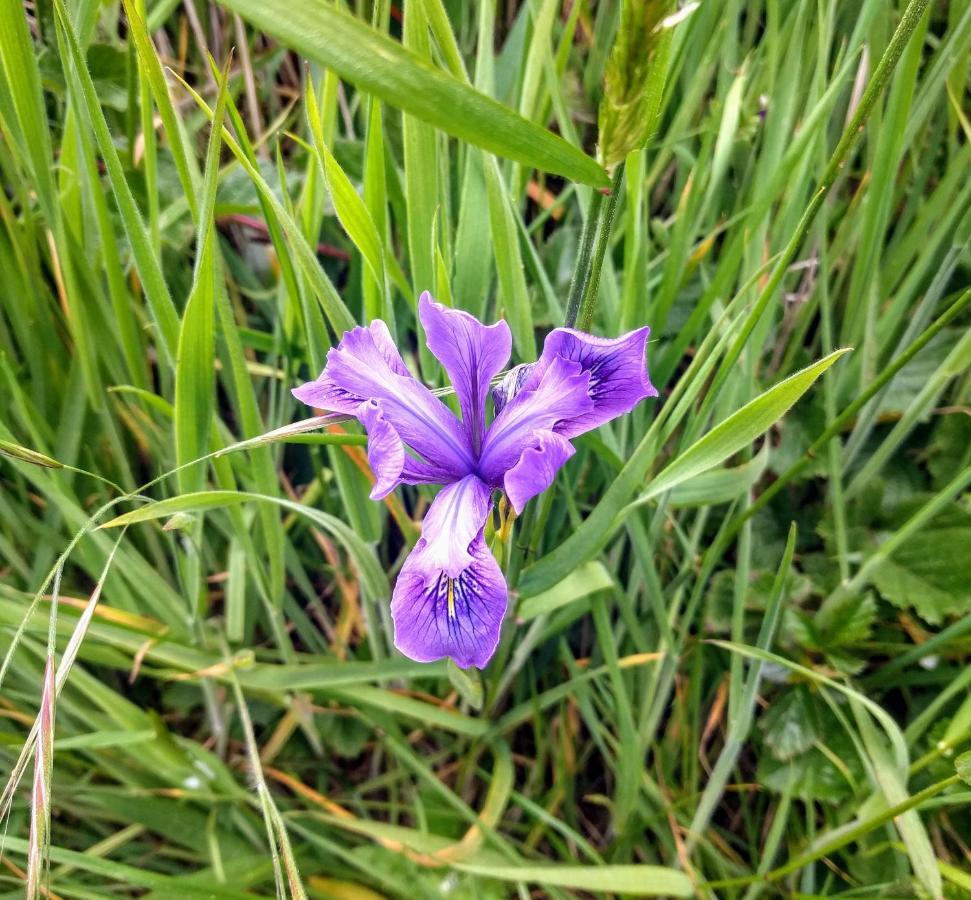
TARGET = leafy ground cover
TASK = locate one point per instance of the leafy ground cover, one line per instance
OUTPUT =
(735, 662)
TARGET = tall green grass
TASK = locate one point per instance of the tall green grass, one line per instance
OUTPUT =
(736, 658)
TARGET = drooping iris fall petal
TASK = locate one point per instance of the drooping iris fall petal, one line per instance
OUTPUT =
(385, 451)
(452, 522)
(536, 469)
(450, 596)
(436, 616)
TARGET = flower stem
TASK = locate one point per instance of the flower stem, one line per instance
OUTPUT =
(603, 240)
(581, 271)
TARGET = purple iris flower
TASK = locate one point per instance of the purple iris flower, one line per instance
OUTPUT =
(450, 596)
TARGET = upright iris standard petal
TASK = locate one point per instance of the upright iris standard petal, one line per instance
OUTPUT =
(366, 366)
(450, 595)
(617, 368)
(472, 354)
(560, 394)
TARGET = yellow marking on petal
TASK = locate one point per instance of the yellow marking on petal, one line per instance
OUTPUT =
(451, 598)
(507, 515)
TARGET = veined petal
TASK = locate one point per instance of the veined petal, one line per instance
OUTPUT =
(536, 468)
(560, 394)
(436, 616)
(367, 366)
(617, 368)
(388, 457)
(417, 471)
(453, 520)
(472, 354)
(385, 451)
(375, 354)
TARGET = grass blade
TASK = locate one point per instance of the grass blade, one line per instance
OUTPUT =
(337, 40)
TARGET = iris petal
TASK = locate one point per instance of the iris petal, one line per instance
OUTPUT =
(472, 354)
(385, 452)
(450, 596)
(536, 468)
(560, 394)
(436, 616)
(367, 366)
(453, 520)
(617, 368)
(375, 354)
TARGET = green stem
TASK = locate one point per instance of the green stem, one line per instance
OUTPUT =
(840, 840)
(581, 272)
(603, 241)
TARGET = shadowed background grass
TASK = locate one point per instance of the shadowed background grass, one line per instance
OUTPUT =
(735, 660)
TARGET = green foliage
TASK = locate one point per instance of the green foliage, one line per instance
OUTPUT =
(963, 766)
(634, 79)
(736, 656)
(931, 573)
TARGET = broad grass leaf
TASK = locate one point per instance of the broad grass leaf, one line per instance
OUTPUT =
(379, 65)
(959, 728)
(721, 485)
(637, 880)
(582, 582)
(194, 374)
(892, 779)
(350, 208)
(96, 740)
(200, 888)
(371, 573)
(147, 263)
(739, 429)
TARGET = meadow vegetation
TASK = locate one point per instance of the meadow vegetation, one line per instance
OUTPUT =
(736, 658)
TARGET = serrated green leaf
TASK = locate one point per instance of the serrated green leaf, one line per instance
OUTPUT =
(930, 573)
(791, 724)
(963, 766)
(847, 622)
